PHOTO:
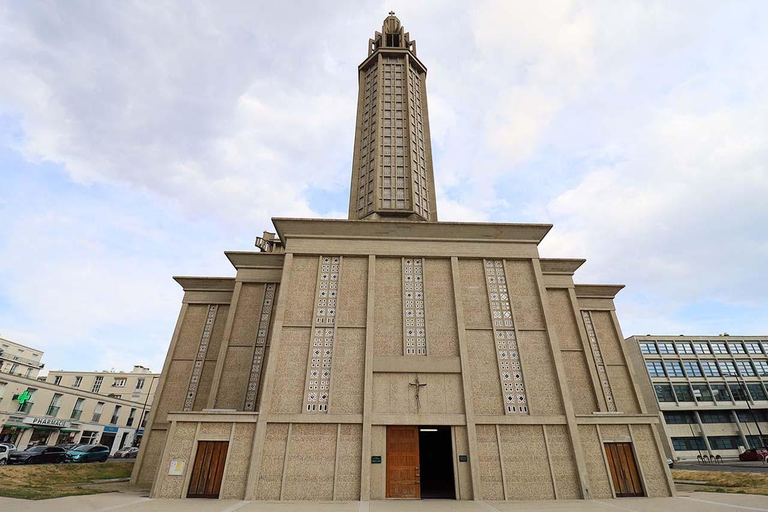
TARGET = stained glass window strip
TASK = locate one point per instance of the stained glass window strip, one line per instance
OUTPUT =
(507, 353)
(414, 325)
(394, 190)
(418, 149)
(261, 344)
(368, 141)
(599, 363)
(323, 333)
(202, 350)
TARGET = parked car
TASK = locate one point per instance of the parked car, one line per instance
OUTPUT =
(67, 446)
(88, 453)
(4, 454)
(127, 453)
(670, 463)
(37, 455)
(758, 454)
(10, 446)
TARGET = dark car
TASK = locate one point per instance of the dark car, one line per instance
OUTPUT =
(67, 446)
(38, 455)
(754, 454)
(127, 453)
(88, 453)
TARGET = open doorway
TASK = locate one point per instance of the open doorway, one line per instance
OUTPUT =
(436, 457)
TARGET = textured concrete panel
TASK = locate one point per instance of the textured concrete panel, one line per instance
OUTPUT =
(246, 322)
(174, 391)
(214, 431)
(623, 391)
(563, 319)
(614, 433)
(491, 487)
(442, 332)
(484, 373)
(350, 446)
(652, 463)
(610, 345)
(599, 488)
(353, 295)
(180, 446)
(217, 334)
(347, 371)
(191, 330)
(288, 393)
(539, 373)
(272, 458)
(153, 449)
(204, 386)
(563, 462)
(465, 471)
(474, 296)
(392, 393)
(311, 462)
(234, 378)
(238, 463)
(379, 471)
(299, 296)
(524, 294)
(579, 382)
(388, 318)
(525, 463)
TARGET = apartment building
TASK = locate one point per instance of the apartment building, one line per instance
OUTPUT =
(19, 359)
(712, 391)
(36, 412)
(138, 385)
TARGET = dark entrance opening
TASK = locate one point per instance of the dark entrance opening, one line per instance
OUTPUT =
(436, 463)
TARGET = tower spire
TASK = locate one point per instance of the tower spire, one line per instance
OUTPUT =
(392, 176)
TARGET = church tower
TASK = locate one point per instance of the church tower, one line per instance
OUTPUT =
(392, 176)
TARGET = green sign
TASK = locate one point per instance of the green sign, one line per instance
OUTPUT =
(376, 459)
(24, 397)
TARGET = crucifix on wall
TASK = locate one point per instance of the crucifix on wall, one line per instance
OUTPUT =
(417, 385)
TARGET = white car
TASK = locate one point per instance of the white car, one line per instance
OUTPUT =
(4, 454)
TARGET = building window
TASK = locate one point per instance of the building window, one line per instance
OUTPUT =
(719, 348)
(727, 368)
(29, 403)
(724, 442)
(144, 418)
(97, 412)
(666, 348)
(757, 392)
(53, 409)
(28, 373)
(683, 393)
(692, 368)
(78, 410)
(701, 393)
(115, 415)
(736, 348)
(88, 437)
(738, 392)
(754, 441)
(140, 383)
(674, 369)
(753, 348)
(683, 444)
(14, 367)
(745, 368)
(57, 380)
(764, 344)
(684, 348)
(78, 381)
(648, 348)
(753, 416)
(131, 417)
(655, 368)
(716, 417)
(762, 368)
(119, 383)
(97, 384)
(664, 392)
(701, 348)
(720, 392)
(679, 418)
(710, 368)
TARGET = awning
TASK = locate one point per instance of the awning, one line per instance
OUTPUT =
(68, 430)
(24, 427)
(39, 427)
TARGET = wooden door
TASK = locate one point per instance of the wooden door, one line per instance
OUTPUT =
(208, 470)
(626, 477)
(403, 477)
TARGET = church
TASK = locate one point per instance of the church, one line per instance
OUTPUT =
(391, 355)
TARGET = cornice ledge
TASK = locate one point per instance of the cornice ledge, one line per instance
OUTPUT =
(598, 291)
(254, 259)
(206, 284)
(563, 266)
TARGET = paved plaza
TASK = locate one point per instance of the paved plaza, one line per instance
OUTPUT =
(127, 502)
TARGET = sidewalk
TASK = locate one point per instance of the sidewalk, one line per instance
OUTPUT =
(127, 502)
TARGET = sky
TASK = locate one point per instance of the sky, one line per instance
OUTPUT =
(140, 140)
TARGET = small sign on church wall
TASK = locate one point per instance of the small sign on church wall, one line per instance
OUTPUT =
(177, 467)
(376, 459)
(463, 458)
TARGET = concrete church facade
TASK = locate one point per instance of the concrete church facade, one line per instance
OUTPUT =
(394, 356)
